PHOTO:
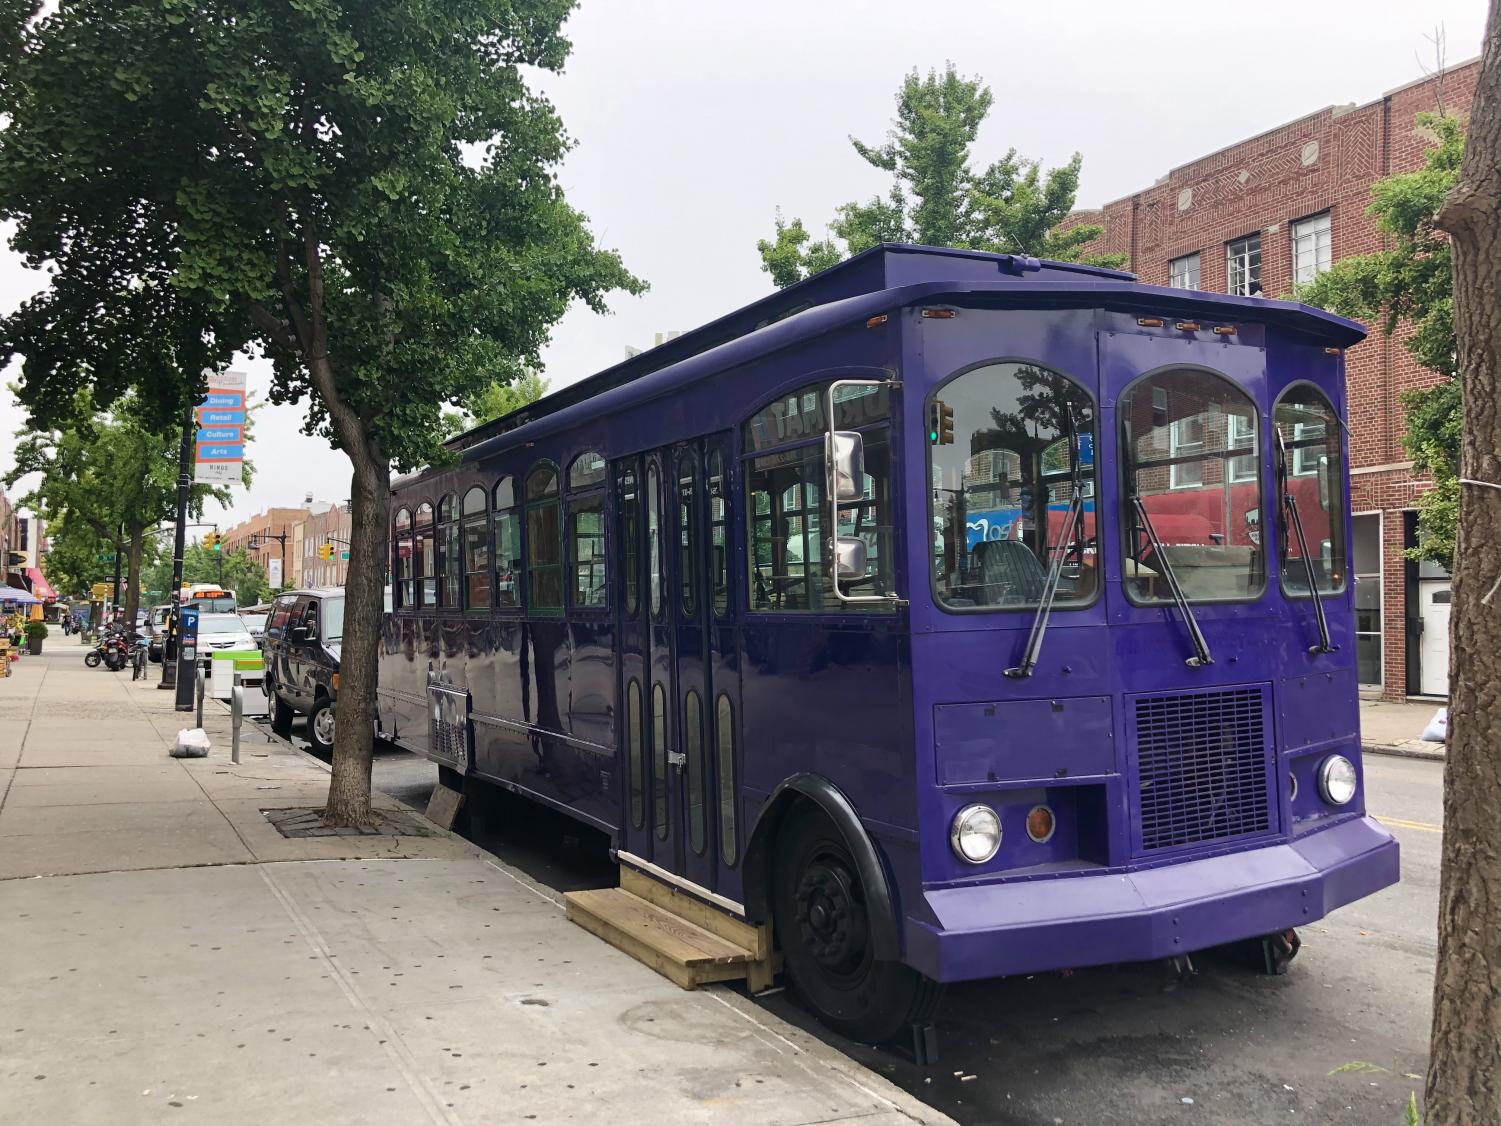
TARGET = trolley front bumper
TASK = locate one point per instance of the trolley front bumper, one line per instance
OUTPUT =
(1031, 926)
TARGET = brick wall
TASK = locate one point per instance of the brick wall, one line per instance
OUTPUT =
(1326, 161)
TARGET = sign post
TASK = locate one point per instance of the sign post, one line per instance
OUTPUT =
(187, 657)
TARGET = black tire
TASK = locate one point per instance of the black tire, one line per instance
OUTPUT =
(320, 726)
(281, 715)
(92, 658)
(819, 906)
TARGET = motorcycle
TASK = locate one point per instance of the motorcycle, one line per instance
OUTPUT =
(112, 651)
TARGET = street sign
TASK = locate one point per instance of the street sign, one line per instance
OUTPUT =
(99, 591)
(220, 450)
(344, 555)
(105, 557)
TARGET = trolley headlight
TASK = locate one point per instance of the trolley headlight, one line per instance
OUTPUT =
(976, 834)
(1337, 780)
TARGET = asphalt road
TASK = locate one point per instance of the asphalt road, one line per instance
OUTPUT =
(1342, 1037)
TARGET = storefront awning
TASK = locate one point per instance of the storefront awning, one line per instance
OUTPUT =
(40, 586)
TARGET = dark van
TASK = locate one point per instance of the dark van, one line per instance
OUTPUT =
(303, 636)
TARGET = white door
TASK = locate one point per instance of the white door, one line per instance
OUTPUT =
(1433, 606)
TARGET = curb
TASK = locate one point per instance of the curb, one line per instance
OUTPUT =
(1399, 750)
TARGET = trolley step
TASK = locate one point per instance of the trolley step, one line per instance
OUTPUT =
(661, 928)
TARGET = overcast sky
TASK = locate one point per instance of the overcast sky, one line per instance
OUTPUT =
(695, 119)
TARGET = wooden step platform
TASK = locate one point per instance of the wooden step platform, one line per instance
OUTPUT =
(682, 938)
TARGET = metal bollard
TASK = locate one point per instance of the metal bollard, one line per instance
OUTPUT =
(201, 688)
(236, 716)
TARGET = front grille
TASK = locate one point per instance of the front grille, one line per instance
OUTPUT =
(1203, 768)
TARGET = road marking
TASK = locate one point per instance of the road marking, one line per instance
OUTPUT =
(1401, 824)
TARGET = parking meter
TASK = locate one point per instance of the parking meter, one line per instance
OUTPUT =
(187, 657)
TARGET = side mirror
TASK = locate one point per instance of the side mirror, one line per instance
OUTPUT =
(1324, 483)
(848, 458)
(849, 557)
(299, 633)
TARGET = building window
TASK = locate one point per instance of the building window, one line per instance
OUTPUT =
(1186, 440)
(1312, 247)
(1242, 437)
(507, 546)
(544, 541)
(586, 518)
(476, 551)
(1243, 266)
(1367, 567)
(1183, 273)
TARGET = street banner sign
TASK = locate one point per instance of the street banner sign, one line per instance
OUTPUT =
(220, 449)
(273, 572)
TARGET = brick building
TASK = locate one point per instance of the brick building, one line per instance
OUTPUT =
(1271, 210)
(264, 529)
(326, 524)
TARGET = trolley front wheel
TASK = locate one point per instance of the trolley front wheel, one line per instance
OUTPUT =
(822, 921)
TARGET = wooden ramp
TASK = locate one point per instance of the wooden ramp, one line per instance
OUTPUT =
(682, 938)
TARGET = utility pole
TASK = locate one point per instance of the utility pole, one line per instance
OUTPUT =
(115, 597)
(179, 547)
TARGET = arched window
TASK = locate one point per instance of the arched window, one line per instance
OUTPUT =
(450, 558)
(655, 555)
(586, 525)
(688, 532)
(1312, 471)
(476, 550)
(587, 471)
(719, 562)
(425, 556)
(401, 560)
(786, 498)
(544, 541)
(630, 527)
(1002, 470)
(507, 546)
(1192, 462)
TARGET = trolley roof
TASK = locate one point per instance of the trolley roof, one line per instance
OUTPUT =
(887, 277)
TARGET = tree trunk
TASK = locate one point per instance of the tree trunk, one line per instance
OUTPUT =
(364, 611)
(1464, 1070)
(133, 575)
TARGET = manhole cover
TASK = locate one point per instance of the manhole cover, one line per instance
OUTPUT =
(296, 823)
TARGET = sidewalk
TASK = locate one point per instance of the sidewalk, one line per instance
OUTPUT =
(166, 953)
(1395, 727)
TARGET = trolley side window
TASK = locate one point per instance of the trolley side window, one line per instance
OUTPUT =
(476, 532)
(507, 546)
(544, 541)
(1315, 476)
(401, 560)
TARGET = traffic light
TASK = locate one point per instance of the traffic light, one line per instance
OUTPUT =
(212, 540)
(941, 424)
(326, 551)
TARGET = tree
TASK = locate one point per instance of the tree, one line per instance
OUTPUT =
(1410, 285)
(364, 192)
(109, 479)
(496, 401)
(238, 571)
(1464, 1068)
(1011, 207)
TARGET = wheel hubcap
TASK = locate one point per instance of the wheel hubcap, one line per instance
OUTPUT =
(830, 917)
(324, 725)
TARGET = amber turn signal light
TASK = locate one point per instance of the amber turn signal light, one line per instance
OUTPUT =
(1040, 823)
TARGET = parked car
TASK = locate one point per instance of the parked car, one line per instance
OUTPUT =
(302, 642)
(156, 630)
(219, 632)
(255, 622)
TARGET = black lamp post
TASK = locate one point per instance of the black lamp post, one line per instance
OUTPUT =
(259, 540)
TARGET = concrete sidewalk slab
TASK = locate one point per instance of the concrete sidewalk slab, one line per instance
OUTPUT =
(435, 991)
(104, 784)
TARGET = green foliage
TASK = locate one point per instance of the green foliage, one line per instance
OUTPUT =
(1012, 206)
(240, 571)
(1413, 1117)
(1410, 285)
(372, 183)
(496, 401)
(36, 629)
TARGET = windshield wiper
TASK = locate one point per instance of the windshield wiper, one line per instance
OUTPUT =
(1291, 504)
(1201, 647)
(1055, 567)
